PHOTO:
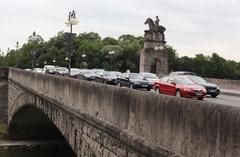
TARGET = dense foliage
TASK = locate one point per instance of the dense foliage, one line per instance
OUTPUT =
(90, 48)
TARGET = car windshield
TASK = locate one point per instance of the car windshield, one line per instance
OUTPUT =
(184, 81)
(62, 69)
(89, 72)
(109, 74)
(75, 70)
(52, 68)
(135, 76)
(150, 75)
(116, 73)
(198, 79)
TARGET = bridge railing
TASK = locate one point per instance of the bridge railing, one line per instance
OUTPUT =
(187, 127)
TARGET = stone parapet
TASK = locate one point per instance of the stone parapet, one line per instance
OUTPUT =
(177, 126)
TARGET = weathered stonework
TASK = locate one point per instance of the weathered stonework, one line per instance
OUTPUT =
(3, 95)
(152, 56)
(100, 120)
(88, 137)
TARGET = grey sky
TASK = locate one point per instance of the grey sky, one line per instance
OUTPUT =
(193, 26)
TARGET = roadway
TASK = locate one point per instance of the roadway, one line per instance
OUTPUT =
(230, 99)
(224, 99)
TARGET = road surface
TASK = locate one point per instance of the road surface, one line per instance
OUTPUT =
(224, 99)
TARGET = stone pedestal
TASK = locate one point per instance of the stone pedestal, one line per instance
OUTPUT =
(151, 59)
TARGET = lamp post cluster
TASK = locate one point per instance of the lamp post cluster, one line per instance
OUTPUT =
(72, 20)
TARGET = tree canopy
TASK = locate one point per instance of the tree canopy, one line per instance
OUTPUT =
(94, 50)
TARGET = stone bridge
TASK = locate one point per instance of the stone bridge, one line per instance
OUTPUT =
(107, 121)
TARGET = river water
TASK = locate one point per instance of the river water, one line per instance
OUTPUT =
(39, 152)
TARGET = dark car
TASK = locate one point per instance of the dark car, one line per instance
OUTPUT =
(180, 86)
(177, 73)
(212, 89)
(88, 74)
(107, 78)
(150, 77)
(133, 80)
(75, 72)
(117, 73)
(63, 71)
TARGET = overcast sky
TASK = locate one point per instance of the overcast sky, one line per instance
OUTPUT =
(193, 26)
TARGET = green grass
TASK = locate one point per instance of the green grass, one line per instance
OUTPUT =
(3, 130)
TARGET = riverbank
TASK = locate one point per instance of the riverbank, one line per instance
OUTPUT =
(30, 144)
(6, 144)
(3, 131)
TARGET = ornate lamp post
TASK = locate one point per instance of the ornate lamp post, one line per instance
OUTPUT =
(72, 20)
(34, 37)
(54, 61)
(111, 53)
(17, 46)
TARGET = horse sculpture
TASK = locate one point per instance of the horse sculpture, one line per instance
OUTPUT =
(155, 27)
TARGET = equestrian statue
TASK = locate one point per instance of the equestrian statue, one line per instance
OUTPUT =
(155, 27)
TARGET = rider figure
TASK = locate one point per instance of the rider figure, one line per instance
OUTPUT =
(157, 21)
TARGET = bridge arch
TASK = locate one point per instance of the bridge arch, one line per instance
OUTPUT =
(30, 122)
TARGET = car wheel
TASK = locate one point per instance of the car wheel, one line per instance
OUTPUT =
(148, 89)
(214, 95)
(158, 91)
(200, 98)
(178, 93)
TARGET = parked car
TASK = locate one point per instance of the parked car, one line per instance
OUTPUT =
(38, 70)
(28, 69)
(180, 86)
(88, 74)
(75, 72)
(107, 78)
(51, 70)
(117, 73)
(47, 67)
(99, 72)
(212, 89)
(177, 73)
(133, 80)
(63, 71)
(150, 77)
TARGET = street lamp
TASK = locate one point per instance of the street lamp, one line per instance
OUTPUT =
(84, 55)
(17, 46)
(33, 53)
(111, 53)
(72, 20)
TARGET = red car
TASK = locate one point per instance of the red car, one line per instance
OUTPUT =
(179, 86)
